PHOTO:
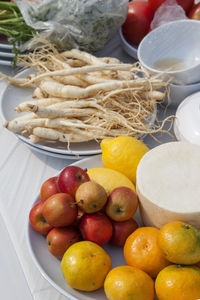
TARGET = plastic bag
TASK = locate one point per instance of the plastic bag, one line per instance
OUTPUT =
(167, 12)
(83, 24)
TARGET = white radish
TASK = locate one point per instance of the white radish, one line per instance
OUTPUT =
(168, 184)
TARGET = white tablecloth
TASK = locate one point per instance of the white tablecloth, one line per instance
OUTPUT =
(21, 173)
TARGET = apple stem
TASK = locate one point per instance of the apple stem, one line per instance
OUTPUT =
(42, 219)
(118, 210)
(80, 201)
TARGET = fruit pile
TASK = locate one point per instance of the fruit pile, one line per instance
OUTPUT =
(169, 256)
(81, 210)
(72, 208)
(161, 262)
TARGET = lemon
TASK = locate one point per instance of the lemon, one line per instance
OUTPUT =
(85, 266)
(109, 179)
(123, 154)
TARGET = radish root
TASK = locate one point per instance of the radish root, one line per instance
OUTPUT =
(78, 97)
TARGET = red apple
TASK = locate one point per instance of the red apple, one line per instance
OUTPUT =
(49, 188)
(60, 239)
(60, 210)
(71, 178)
(121, 230)
(122, 204)
(96, 228)
(37, 219)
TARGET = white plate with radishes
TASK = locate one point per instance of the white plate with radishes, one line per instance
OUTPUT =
(49, 265)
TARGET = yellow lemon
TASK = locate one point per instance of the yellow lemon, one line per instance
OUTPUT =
(123, 154)
(109, 179)
(85, 266)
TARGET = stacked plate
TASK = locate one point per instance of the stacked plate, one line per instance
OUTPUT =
(6, 55)
(12, 96)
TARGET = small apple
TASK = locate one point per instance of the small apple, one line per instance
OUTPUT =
(96, 228)
(71, 178)
(60, 210)
(37, 219)
(49, 188)
(122, 204)
(91, 197)
(60, 239)
(121, 230)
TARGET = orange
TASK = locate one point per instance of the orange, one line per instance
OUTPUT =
(180, 243)
(141, 251)
(85, 266)
(178, 282)
(128, 283)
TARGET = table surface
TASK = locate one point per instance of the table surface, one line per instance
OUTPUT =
(21, 173)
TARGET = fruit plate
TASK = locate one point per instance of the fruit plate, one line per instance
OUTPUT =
(49, 266)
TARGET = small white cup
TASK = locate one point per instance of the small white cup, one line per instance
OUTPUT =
(175, 40)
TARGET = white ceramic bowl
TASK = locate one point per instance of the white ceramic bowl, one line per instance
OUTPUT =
(187, 122)
(128, 48)
(179, 40)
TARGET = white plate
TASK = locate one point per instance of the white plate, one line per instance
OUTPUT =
(6, 46)
(52, 154)
(49, 266)
(128, 48)
(5, 62)
(13, 95)
(7, 55)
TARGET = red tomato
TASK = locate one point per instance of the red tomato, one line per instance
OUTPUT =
(186, 4)
(195, 12)
(137, 22)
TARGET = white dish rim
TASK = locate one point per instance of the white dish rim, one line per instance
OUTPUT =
(43, 147)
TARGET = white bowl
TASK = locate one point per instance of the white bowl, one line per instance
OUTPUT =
(187, 122)
(128, 48)
(177, 40)
(177, 93)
